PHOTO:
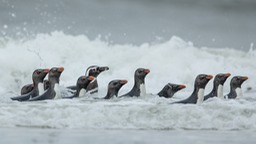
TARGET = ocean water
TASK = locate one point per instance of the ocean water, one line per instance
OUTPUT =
(175, 61)
(176, 49)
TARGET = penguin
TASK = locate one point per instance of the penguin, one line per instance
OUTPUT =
(197, 96)
(218, 84)
(37, 77)
(81, 85)
(170, 89)
(139, 83)
(29, 87)
(94, 71)
(113, 88)
(235, 87)
(53, 91)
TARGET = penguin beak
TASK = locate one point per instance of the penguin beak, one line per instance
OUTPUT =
(90, 78)
(46, 70)
(101, 69)
(182, 86)
(147, 71)
(209, 77)
(123, 82)
(227, 75)
(61, 69)
(244, 78)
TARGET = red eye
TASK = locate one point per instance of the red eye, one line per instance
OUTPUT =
(38, 72)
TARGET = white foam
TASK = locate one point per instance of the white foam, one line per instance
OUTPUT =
(18, 59)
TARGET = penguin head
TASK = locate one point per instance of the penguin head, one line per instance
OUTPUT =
(174, 87)
(237, 81)
(202, 80)
(170, 89)
(114, 86)
(95, 70)
(221, 78)
(83, 81)
(39, 74)
(55, 72)
(141, 73)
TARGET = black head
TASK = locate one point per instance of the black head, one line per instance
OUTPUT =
(39, 75)
(174, 87)
(54, 73)
(84, 81)
(141, 73)
(114, 86)
(202, 80)
(221, 78)
(170, 89)
(237, 81)
(95, 70)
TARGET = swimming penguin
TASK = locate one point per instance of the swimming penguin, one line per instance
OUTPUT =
(235, 87)
(92, 71)
(37, 77)
(218, 83)
(53, 91)
(81, 85)
(139, 83)
(197, 96)
(29, 87)
(113, 88)
(170, 89)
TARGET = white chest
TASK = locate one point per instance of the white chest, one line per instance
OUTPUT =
(57, 91)
(200, 96)
(239, 93)
(220, 91)
(41, 88)
(82, 92)
(142, 90)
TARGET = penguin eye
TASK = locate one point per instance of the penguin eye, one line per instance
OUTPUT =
(38, 73)
(115, 83)
(94, 69)
(140, 71)
(201, 78)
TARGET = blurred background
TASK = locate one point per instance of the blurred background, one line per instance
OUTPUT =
(210, 23)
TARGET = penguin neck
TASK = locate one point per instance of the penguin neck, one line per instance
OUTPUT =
(236, 92)
(54, 86)
(80, 91)
(110, 94)
(140, 86)
(35, 84)
(217, 90)
(199, 93)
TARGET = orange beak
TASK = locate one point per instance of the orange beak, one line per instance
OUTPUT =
(61, 69)
(209, 77)
(123, 81)
(90, 78)
(182, 86)
(147, 71)
(46, 70)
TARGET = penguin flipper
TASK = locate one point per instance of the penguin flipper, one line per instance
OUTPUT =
(24, 97)
(44, 96)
